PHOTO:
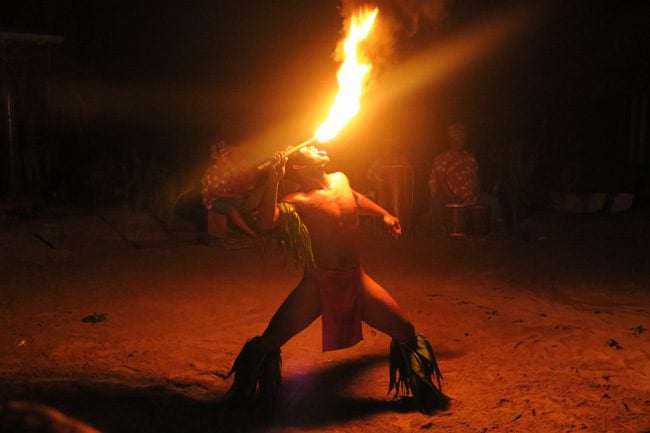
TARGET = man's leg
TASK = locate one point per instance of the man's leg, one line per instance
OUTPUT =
(257, 367)
(413, 366)
(379, 310)
(298, 311)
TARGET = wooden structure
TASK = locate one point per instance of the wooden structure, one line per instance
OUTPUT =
(20, 55)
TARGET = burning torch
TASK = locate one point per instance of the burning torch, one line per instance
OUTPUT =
(351, 78)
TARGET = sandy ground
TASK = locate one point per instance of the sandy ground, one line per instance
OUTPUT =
(545, 335)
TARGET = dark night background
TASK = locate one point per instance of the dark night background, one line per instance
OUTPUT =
(130, 101)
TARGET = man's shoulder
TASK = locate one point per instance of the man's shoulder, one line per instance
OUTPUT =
(337, 175)
(294, 197)
(442, 158)
(468, 155)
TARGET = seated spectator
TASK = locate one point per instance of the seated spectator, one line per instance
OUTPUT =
(226, 184)
(454, 176)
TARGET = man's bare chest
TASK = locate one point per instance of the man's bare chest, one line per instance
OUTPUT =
(331, 205)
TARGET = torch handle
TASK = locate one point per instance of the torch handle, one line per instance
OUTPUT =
(287, 152)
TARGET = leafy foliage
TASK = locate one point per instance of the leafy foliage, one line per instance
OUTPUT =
(295, 236)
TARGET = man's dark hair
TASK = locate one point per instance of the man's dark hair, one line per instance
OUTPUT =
(295, 159)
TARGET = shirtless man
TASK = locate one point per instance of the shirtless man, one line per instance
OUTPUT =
(335, 288)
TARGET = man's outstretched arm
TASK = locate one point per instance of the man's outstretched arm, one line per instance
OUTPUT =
(369, 207)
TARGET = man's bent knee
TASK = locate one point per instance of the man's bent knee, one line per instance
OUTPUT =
(404, 332)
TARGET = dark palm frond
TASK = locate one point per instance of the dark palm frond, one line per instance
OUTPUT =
(258, 376)
(295, 236)
(413, 370)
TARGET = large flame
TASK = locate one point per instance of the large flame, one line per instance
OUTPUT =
(351, 77)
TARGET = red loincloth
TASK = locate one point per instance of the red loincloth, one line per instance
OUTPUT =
(340, 296)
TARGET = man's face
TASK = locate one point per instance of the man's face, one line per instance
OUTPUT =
(312, 155)
(456, 137)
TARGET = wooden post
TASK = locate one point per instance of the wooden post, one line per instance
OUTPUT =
(13, 184)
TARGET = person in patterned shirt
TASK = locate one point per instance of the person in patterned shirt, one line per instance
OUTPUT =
(454, 176)
(226, 183)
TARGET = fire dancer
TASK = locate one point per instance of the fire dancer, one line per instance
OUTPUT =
(333, 286)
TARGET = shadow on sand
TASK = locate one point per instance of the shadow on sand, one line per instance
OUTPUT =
(312, 399)
(113, 408)
(319, 398)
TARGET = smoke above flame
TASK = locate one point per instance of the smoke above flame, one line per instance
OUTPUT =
(400, 18)
(407, 16)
